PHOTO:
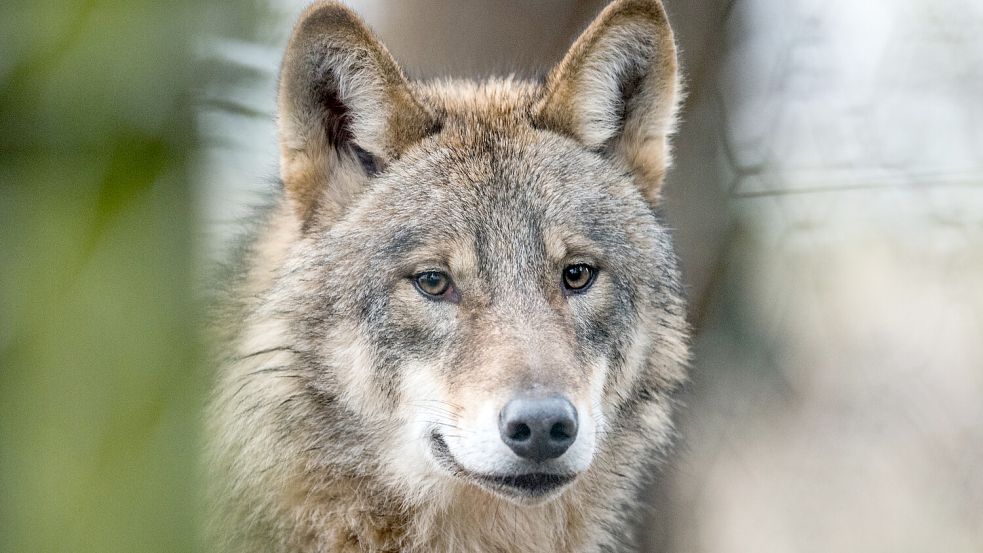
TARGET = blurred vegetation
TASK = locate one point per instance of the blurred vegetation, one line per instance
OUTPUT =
(101, 373)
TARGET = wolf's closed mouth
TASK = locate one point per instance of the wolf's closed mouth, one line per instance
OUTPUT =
(533, 484)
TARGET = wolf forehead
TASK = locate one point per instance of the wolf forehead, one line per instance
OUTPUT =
(485, 152)
(510, 193)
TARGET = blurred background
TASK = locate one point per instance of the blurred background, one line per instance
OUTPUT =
(827, 202)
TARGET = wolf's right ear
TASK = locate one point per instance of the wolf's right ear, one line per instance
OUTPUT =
(345, 110)
(617, 89)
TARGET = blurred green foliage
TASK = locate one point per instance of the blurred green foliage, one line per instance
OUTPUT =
(101, 373)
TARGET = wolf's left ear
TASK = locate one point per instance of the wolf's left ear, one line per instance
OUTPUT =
(617, 89)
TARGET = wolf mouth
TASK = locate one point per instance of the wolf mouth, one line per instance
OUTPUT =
(529, 485)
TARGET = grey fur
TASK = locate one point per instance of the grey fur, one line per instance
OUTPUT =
(316, 436)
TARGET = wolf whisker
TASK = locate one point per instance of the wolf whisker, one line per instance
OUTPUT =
(268, 350)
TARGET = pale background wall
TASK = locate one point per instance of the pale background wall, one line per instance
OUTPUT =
(828, 206)
(837, 398)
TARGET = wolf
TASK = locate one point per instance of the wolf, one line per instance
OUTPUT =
(459, 326)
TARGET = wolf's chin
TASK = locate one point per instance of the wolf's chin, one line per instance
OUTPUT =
(531, 488)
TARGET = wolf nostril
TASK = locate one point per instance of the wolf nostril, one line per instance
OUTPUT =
(538, 428)
(560, 431)
(520, 432)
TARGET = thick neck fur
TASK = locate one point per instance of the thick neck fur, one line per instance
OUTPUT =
(355, 514)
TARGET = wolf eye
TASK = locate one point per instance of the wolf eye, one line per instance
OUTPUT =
(579, 277)
(432, 283)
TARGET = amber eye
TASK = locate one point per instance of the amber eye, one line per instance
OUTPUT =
(578, 278)
(432, 283)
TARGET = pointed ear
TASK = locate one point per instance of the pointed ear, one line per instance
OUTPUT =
(345, 110)
(617, 89)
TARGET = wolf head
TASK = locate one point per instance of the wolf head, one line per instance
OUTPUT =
(478, 281)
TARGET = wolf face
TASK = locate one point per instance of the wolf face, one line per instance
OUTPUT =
(467, 282)
(494, 307)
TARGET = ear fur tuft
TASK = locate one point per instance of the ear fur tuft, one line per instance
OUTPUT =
(344, 110)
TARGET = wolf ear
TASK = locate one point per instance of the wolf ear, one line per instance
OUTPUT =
(345, 110)
(617, 88)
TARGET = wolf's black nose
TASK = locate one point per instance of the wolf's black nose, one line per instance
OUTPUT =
(538, 428)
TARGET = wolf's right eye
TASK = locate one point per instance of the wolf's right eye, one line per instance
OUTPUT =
(432, 283)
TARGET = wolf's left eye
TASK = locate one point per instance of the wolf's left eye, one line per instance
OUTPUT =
(578, 278)
(432, 283)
